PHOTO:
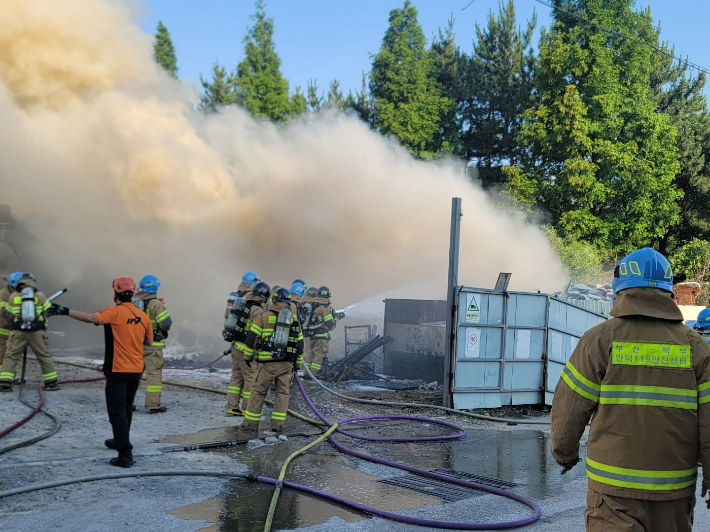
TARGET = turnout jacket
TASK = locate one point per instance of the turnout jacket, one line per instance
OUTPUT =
(13, 309)
(5, 319)
(256, 308)
(323, 320)
(160, 319)
(262, 329)
(644, 379)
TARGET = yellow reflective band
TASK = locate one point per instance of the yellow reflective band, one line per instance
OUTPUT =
(153, 389)
(158, 344)
(246, 395)
(634, 267)
(251, 416)
(654, 355)
(49, 376)
(641, 479)
(160, 317)
(4, 332)
(278, 415)
(234, 389)
(580, 384)
(7, 376)
(704, 393)
(649, 396)
(256, 329)
(315, 366)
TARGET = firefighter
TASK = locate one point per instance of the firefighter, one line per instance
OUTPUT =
(644, 380)
(298, 291)
(702, 325)
(240, 383)
(276, 342)
(5, 319)
(27, 309)
(323, 321)
(146, 299)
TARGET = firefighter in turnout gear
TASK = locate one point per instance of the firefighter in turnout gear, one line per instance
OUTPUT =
(322, 321)
(643, 378)
(27, 309)
(241, 381)
(298, 291)
(146, 299)
(275, 345)
(5, 317)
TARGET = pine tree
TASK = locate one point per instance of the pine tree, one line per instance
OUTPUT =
(299, 103)
(164, 51)
(407, 101)
(335, 99)
(497, 83)
(680, 96)
(260, 86)
(600, 158)
(447, 59)
(361, 102)
(219, 92)
(314, 101)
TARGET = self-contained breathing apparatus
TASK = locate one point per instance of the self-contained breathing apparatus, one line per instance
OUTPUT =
(283, 343)
(139, 304)
(28, 313)
(236, 317)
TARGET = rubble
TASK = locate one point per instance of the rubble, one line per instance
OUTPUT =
(583, 292)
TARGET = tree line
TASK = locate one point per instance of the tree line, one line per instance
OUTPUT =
(598, 130)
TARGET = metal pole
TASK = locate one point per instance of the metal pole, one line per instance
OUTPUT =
(451, 303)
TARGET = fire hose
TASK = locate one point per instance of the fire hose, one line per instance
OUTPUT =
(335, 427)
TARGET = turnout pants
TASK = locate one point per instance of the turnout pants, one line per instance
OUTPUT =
(153, 364)
(316, 354)
(3, 345)
(121, 390)
(240, 382)
(609, 513)
(17, 342)
(280, 375)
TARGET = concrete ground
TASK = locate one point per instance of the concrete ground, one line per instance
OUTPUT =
(513, 453)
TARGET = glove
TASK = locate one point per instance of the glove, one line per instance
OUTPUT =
(57, 310)
(703, 494)
(569, 466)
(247, 362)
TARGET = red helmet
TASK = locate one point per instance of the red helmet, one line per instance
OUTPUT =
(124, 284)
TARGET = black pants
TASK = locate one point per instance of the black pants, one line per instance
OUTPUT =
(121, 390)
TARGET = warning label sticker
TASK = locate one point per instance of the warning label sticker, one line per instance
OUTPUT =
(473, 309)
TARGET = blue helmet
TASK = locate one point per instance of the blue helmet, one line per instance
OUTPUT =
(298, 289)
(703, 322)
(13, 279)
(149, 284)
(250, 278)
(643, 268)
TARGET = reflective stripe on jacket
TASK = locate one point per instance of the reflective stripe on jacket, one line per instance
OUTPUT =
(160, 319)
(13, 308)
(255, 310)
(645, 378)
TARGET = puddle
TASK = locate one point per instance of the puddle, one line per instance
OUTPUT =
(519, 456)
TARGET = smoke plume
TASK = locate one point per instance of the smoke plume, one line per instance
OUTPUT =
(105, 160)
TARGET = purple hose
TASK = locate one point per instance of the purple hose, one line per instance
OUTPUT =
(401, 518)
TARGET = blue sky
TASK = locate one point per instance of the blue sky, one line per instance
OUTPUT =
(326, 39)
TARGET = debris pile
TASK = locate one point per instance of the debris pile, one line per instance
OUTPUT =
(585, 292)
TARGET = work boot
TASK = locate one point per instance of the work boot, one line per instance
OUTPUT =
(111, 444)
(249, 427)
(158, 410)
(52, 386)
(234, 412)
(276, 428)
(5, 387)
(124, 459)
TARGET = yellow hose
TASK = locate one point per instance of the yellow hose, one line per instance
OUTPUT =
(282, 475)
(312, 421)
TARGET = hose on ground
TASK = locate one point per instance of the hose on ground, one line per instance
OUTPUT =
(282, 475)
(402, 518)
(511, 421)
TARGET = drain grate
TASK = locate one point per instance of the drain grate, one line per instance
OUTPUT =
(487, 481)
(444, 490)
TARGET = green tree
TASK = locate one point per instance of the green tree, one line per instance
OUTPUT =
(581, 259)
(680, 96)
(408, 102)
(599, 158)
(299, 103)
(497, 81)
(164, 51)
(335, 98)
(447, 60)
(693, 261)
(260, 86)
(361, 102)
(313, 99)
(218, 92)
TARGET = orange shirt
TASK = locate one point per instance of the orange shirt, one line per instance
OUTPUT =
(126, 328)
